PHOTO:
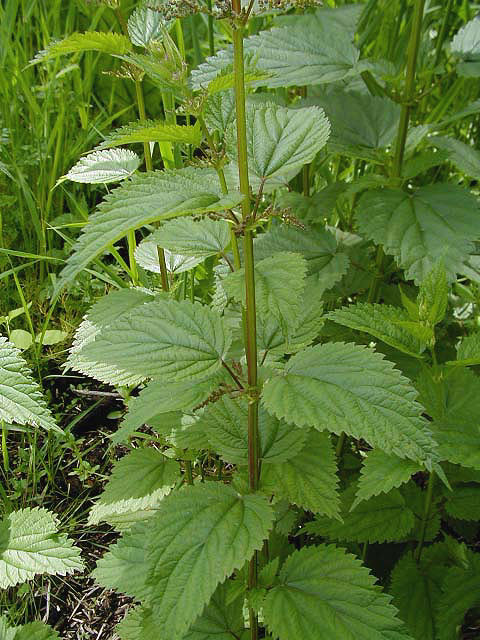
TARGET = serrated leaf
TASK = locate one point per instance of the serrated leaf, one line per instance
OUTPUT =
(117, 304)
(21, 399)
(382, 472)
(146, 26)
(466, 46)
(146, 255)
(464, 503)
(382, 322)
(139, 481)
(461, 592)
(36, 631)
(112, 43)
(465, 157)
(144, 199)
(352, 389)
(307, 479)
(125, 566)
(416, 588)
(326, 265)
(451, 400)
(30, 544)
(280, 140)
(199, 537)
(433, 296)
(436, 223)
(382, 518)
(166, 340)
(225, 425)
(323, 592)
(152, 131)
(6, 632)
(160, 397)
(468, 351)
(220, 111)
(279, 284)
(199, 239)
(112, 165)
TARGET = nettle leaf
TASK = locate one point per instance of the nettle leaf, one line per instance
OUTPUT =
(461, 592)
(152, 131)
(416, 589)
(308, 479)
(166, 340)
(466, 46)
(436, 223)
(225, 425)
(117, 304)
(219, 111)
(382, 322)
(21, 399)
(464, 503)
(281, 140)
(199, 537)
(279, 284)
(146, 255)
(361, 123)
(433, 296)
(146, 26)
(382, 518)
(104, 167)
(324, 592)
(468, 351)
(35, 631)
(30, 544)
(112, 43)
(159, 398)
(147, 198)
(451, 400)
(187, 237)
(352, 389)
(326, 264)
(465, 157)
(138, 482)
(382, 472)
(125, 566)
(415, 498)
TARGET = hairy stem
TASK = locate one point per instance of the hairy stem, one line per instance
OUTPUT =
(408, 97)
(426, 513)
(250, 314)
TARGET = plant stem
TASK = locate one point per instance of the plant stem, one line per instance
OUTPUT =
(408, 97)
(250, 314)
(443, 32)
(426, 512)
(211, 40)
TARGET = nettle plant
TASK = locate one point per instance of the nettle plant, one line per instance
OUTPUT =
(306, 425)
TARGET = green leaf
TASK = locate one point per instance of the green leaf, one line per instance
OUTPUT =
(382, 472)
(51, 337)
(323, 592)
(468, 351)
(416, 589)
(112, 43)
(308, 479)
(361, 123)
(352, 389)
(144, 199)
(326, 264)
(146, 26)
(466, 47)
(225, 425)
(382, 322)
(6, 632)
(166, 340)
(464, 503)
(21, 339)
(438, 222)
(159, 398)
(139, 481)
(220, 111)
(461, 592)
(112, 165)
(21, 399)
(279, 284)
(30, 544)
(281, 140)
(36, 631)
(451, 400)
(125, 566)
(382, 518)
(117, 304)
(146, 255)
(199, 239)
(433, 296)
(199, 537)
(465, 157)
(152, 131)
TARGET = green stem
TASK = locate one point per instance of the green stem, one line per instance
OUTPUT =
(426, 513)
(250, 311)
(211, 39)
(443, 32)
(408, 97)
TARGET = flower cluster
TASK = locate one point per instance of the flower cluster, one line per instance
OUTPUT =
(265, 5)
